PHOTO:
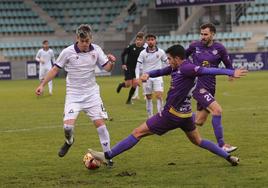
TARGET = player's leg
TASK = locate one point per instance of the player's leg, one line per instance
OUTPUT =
(124, 144)
(196, 139)
(71, 112)
(147, 90)
(42, 73)
(205, 104)
(136, 94)
(126, 83)
(131, 91)
(50, 83)
(200, 116)
(97, 114)
(216, 112)
(158, 87)
(129, 141)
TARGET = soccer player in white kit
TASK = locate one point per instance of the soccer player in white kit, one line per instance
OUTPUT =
(82, 91)
(152, 58)
(45, 57)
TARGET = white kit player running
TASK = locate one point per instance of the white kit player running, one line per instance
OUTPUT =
(82, 91)
(152, 58)
(45, 57)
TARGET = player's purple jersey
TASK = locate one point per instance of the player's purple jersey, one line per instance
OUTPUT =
(182, 84)
(211, 56)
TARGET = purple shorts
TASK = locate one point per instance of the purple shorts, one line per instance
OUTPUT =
(161, 124)
(203, 98)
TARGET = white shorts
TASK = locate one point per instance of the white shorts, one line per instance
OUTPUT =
(94, 112)
(43, 71)
(153, 84)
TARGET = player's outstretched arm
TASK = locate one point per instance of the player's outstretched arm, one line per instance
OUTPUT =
(50, 75)
(237, 73)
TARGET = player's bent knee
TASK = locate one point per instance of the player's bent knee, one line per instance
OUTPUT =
(136, 133)
(217, 111)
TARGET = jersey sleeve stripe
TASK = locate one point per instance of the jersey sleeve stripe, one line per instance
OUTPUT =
(105, 64)
(58, 66)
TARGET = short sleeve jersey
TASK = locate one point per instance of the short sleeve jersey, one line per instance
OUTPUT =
(152, 60)
(80, 68)
(47, 56)
(208, 56)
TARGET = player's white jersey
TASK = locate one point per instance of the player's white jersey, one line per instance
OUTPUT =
(80, 68)
(152, 60)
(46, 56)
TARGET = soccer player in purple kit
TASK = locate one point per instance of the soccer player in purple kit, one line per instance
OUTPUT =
(209, 53)
(177, 110)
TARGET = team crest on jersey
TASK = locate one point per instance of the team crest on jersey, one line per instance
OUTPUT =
(157, 56)
(71, 111)
(202, 91)
(205, 64)
(134, 49)
(215, 52)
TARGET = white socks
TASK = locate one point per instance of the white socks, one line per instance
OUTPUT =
(104, 138)
(149, 107)
(69, 133)
(159, 105)
(136, 94)
(50, 87)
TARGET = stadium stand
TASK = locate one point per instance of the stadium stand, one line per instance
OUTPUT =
(133, 12)
(17, 18)
(69, 14)
(28, 49)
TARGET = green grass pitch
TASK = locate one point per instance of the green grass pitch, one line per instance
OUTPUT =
(31, 134)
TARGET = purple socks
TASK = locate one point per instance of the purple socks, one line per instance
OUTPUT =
(122, 146)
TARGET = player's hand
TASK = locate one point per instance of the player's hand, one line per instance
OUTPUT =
(111, 58)
(41, 61)
(240, 73)
(124, 67)
(39, 90)
(144, 77)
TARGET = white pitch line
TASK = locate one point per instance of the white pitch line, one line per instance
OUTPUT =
(253, 109)
(53, 127)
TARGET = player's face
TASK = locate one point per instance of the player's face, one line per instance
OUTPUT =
(151, 41)
(45, 45)
(206, 36)
(83, 43)
(174, 62)
(139, 42)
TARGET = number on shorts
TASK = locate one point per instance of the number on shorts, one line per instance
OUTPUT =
(208, 97)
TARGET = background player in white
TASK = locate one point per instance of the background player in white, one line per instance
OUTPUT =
(152, 58)
(45, 57)
(82, 91)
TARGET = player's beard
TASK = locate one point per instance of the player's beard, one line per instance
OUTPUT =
(207, 42)
(151, 46)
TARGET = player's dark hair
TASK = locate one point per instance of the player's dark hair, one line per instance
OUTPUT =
(84, 31)
(150, 35)
(176, 51)
(44, 41)
(211, 27)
